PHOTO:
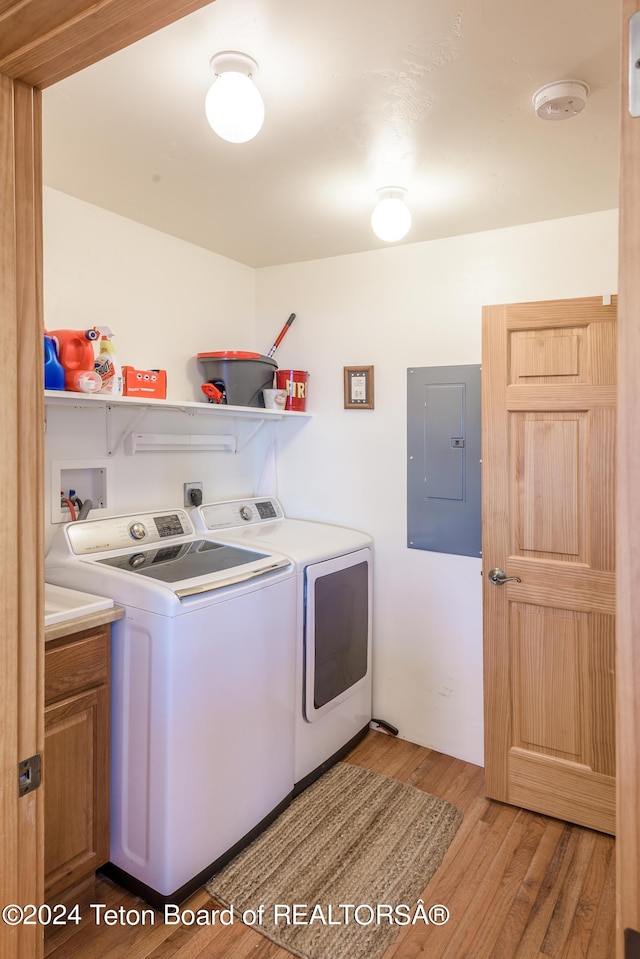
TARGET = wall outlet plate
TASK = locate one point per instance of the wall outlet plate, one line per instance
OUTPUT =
(188, 487)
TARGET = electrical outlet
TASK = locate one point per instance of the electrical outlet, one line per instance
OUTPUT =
(188, 488)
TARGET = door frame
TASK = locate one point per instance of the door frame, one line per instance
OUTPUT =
(40, 44)
(21, 535)
(628, 516)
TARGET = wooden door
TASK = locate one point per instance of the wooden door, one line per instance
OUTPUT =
(548, 413)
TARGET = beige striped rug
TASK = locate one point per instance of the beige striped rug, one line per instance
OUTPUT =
(342, 868)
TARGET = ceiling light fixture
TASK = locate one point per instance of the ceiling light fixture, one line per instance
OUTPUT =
(560, 100)
(233, 105)
(391, 219)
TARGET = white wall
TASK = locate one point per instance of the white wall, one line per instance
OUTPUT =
(417, 305)
(166, 301)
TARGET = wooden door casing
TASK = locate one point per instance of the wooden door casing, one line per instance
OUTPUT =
(37, 29)
(41, 41)
(628, 505)
(549, 372)
(21, 533)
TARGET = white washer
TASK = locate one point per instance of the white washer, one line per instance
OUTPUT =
(334, 622)
(202, 692)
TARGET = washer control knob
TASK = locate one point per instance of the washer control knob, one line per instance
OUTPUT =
(245, 513)
(137, 531)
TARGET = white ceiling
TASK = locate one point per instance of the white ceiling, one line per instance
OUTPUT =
(359, 94)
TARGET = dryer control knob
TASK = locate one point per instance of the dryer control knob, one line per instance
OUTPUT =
(245, 513)
(137, 531)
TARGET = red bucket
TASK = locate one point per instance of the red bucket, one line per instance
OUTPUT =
(295, 383)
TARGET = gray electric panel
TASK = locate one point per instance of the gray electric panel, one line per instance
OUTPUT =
(443, 470)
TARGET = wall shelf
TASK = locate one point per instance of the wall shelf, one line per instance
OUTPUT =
(139, 406)
(87, 400)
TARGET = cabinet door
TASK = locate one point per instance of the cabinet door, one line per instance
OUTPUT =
(76, 788)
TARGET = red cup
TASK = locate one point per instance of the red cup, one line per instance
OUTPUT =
(295, 383)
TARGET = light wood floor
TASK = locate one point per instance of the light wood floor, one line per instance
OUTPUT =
(517, 885)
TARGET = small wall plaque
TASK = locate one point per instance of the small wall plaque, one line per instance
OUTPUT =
(358, 387)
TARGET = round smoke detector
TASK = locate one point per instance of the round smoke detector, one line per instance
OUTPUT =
(561, 99)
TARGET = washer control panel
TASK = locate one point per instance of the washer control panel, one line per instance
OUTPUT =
(118, 532)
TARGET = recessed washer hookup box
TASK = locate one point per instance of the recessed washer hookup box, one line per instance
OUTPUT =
(149, 383)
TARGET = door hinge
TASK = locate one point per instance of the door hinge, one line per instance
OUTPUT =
(29, 774)
(634, 65)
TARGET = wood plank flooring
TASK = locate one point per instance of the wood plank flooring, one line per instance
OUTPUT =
(517, 886)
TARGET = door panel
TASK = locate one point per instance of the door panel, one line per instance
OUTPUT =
(546, 680)
(548, 462)
(547, 356)
(548, 518)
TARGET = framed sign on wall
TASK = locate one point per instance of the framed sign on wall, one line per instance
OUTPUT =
(358, 387)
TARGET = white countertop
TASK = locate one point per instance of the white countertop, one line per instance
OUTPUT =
(62, 604)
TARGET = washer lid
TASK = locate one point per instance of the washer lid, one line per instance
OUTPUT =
(183, 561)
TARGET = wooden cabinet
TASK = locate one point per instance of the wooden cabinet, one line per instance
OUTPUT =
(76, 757)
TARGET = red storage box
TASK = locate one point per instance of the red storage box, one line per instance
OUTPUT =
(151, 384)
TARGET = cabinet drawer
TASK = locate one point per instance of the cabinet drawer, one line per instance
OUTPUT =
(78, 662)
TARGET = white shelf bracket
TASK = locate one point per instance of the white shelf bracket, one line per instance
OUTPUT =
(257, 426)
(113, 445)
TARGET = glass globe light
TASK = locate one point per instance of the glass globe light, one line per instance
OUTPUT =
(391, 219)
(233, 105)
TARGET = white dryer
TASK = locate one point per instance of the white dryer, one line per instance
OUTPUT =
(202, 692)
(334, 568)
